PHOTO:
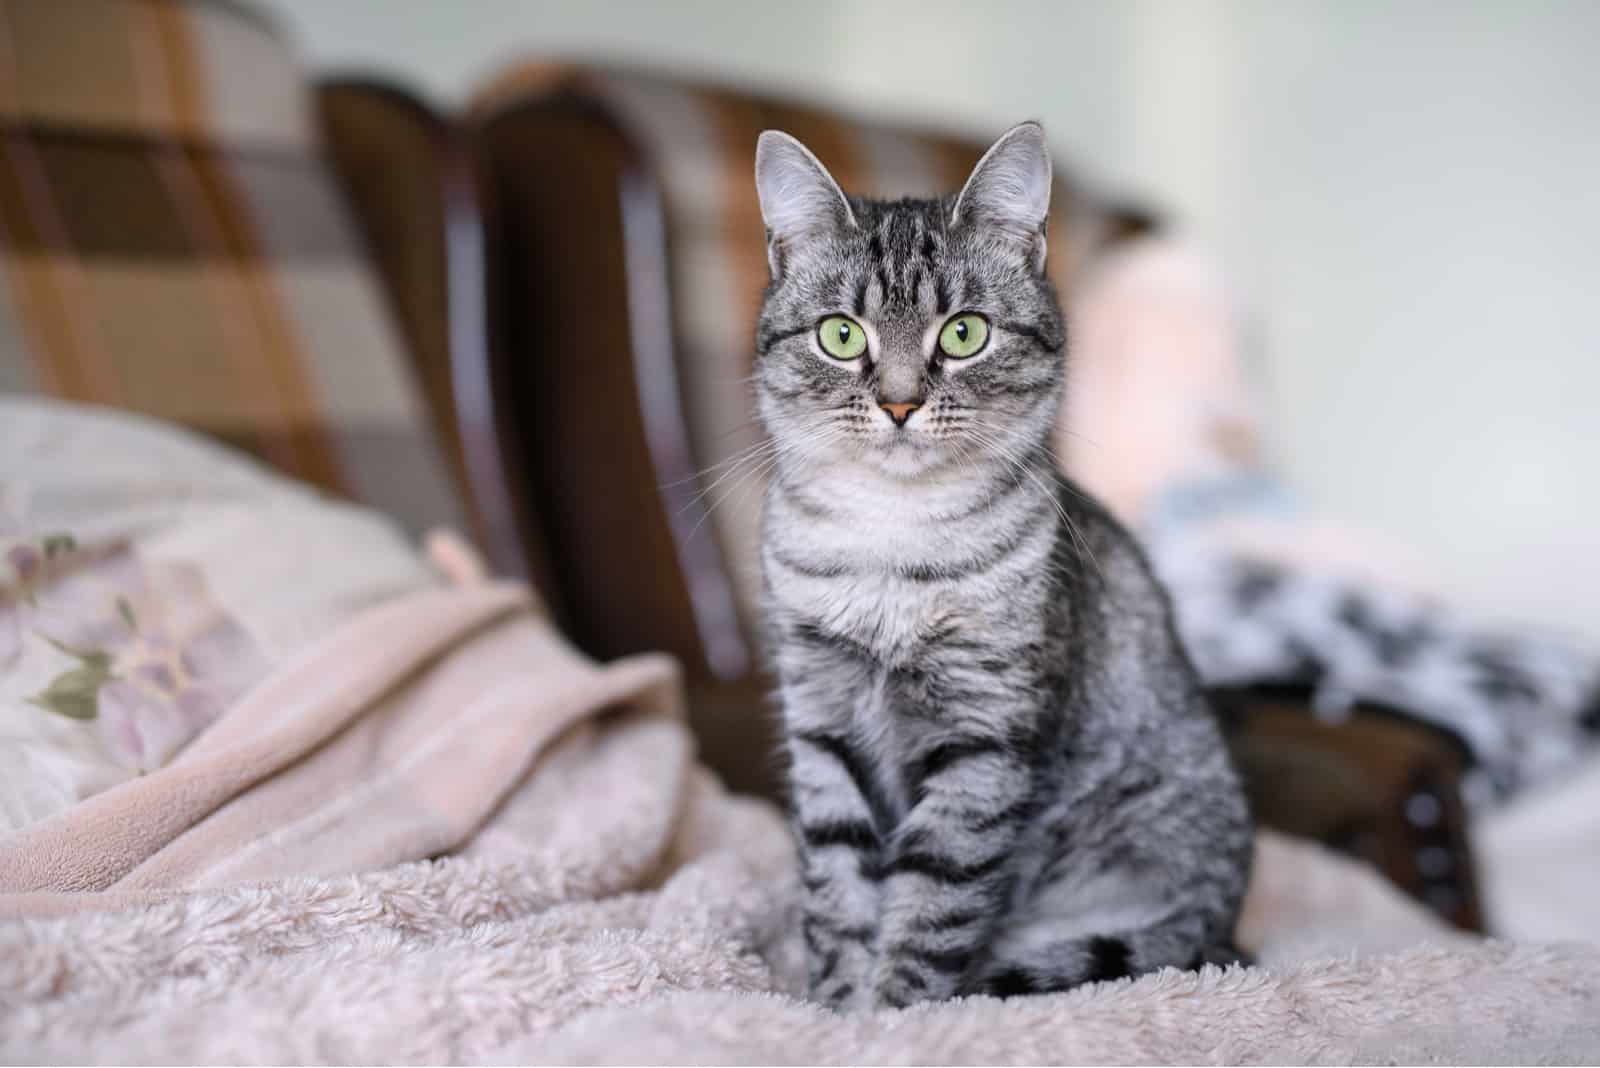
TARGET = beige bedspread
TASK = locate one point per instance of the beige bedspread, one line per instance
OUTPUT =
(393, 741)
(276, 789)
(265, 898)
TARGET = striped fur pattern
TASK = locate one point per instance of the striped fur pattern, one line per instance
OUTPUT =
(1004, 775)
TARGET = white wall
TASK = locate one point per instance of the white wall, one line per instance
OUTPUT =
(1407, 191)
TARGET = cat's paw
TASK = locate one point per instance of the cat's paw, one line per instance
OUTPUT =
(841, 976)
(901, 987)
(841, 995)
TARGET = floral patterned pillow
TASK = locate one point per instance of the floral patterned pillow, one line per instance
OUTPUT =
(148, 580)
(145, 653)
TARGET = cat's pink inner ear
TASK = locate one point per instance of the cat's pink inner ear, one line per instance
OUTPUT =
(1010, 187)
(799, 198)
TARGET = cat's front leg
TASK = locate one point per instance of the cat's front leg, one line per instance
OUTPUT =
(839, 819)
(951, 866)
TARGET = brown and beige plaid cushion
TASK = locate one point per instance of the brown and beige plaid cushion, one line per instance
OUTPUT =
(175, 244)
(699, 142)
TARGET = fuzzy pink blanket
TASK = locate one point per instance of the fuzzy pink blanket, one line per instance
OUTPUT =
(595, 897)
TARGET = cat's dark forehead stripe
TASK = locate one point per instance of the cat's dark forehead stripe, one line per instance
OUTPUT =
(904, 233)
(904, 242)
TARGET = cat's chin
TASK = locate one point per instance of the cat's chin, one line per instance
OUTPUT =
(905, 458)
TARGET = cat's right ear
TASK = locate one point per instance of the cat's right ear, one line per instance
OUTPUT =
(799, 198)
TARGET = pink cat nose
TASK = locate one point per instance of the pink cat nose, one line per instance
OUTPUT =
(899, 412)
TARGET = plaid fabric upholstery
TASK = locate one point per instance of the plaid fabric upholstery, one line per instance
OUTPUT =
(175, 244)
(699, 143)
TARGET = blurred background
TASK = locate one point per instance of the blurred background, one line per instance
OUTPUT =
(494, 266)
(1402, 195)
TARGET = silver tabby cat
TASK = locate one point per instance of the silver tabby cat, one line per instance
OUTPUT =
(1004, 774)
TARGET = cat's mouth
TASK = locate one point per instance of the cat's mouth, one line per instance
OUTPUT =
(903, 441)
(909, 453)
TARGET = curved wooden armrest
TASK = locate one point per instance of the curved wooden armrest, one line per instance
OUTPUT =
(1375, 785)
(411, 182)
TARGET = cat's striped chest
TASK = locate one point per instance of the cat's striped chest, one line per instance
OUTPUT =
(851, 553)
(870, 607)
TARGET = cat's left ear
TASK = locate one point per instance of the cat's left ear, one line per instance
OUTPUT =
(1009, 189)
(799, 198)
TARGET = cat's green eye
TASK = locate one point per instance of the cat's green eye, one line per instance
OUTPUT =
(964, 335)
(841, 337)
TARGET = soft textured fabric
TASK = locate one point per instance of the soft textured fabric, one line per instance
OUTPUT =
(432, 832)
(318, 704)
(174, 243)
(1486, 1005)
(360, 753)
(149, 578)
(619, 908)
